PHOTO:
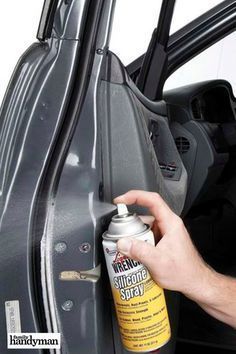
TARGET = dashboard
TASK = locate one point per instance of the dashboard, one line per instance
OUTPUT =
(203, 121)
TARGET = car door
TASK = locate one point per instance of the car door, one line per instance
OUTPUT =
(75, 132)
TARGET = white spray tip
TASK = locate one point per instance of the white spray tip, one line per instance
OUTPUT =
(122, 209)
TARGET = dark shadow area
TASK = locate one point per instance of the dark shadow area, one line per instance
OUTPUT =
(212, 226)
(186, 348)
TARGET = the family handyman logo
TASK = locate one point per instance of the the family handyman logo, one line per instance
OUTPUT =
(34, 341)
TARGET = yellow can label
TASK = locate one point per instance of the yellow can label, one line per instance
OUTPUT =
(139, 301)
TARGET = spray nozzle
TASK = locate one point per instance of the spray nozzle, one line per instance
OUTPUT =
(122, 209)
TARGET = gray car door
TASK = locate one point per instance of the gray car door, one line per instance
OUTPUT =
(75, 133)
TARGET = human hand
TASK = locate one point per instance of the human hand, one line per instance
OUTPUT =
(174, 263)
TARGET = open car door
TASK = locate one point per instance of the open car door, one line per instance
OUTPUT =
(76, 132)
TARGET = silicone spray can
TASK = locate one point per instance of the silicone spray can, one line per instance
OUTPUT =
(140, 303)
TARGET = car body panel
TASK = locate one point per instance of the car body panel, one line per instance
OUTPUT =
(31, 115)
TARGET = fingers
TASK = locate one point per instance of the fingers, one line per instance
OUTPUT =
(147, 219)
(140, 251)
(150, 220)
(156, 232)
(159, 209)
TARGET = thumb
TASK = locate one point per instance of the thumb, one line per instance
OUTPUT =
(140, 251)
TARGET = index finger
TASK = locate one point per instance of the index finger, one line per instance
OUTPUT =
(158, 208)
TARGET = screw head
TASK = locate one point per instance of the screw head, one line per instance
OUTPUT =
(85, 247)
(100, 51)
(67, 305)
(61, 247)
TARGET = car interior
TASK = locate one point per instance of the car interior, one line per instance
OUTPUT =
(91, 128)
(202, 120)
(209, 211)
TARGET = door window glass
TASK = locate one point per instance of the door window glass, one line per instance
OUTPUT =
(134, 22)
(187, 10)
(216, 62)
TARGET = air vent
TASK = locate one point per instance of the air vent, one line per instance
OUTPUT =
(183, 144)
(196, 109)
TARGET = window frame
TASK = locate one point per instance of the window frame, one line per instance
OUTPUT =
(194, 38)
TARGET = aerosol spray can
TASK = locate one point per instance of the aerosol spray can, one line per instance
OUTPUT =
(140, 303)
